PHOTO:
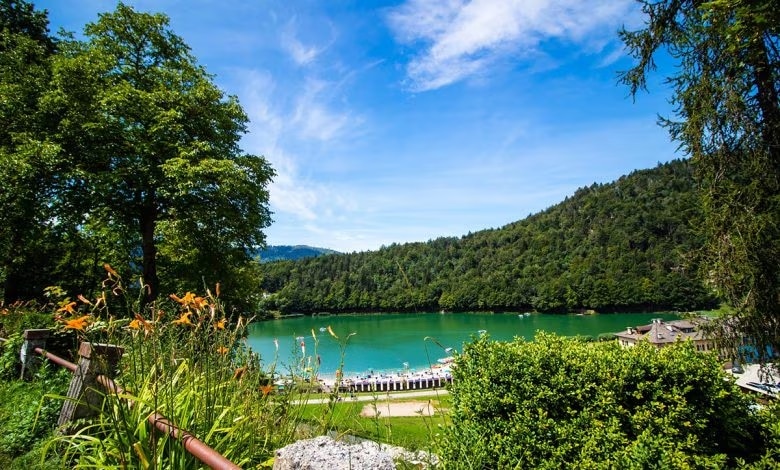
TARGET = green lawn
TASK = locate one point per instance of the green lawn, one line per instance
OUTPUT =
(411, 432)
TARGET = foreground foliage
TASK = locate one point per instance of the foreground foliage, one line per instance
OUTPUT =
(560, 403)
(185, 360)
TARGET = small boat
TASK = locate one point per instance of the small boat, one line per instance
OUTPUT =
(527, 314)
(323, 329)
(445, 360)
(481, 332)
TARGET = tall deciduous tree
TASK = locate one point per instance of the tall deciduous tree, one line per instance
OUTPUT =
(26, 160)
(152, 153)
(728, 120)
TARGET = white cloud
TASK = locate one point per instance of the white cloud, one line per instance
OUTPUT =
(313, 118)
(301, 53)
(463, 38)
(282, 119)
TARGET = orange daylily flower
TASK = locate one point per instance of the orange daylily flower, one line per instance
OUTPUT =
(220, 325)
(184, 319)
(266, 389)
(199, 303)
(68, 308)
(139, 323)
(239, 373)
(190, 300)
(77, 323)
(222, 350)
(110, 270)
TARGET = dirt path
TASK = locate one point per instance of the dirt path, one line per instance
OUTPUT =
(404, 408)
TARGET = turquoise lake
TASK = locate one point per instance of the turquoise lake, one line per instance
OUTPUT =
(390, 342)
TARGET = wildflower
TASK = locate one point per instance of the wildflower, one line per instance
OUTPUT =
(239, 373)
(188, 298)
(222, 350)
(190, 301)
(68, 308)
(139, 323)
(77, 323)
(217, 289)
(266, 389)
(84, 299)
(198, 303)
(110, 270)
(220, 325)
(184, 319)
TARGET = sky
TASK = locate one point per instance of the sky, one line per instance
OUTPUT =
(404, 121)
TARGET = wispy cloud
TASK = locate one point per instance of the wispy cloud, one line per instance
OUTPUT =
(463, 38)
(302, 54)
(284, 119)
(315, 118)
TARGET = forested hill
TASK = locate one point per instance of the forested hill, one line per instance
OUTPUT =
(619, 246)
(280, 252)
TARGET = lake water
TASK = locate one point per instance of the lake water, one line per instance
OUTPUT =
(391, 342)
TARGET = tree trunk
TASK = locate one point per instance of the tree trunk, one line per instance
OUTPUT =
(148, 223)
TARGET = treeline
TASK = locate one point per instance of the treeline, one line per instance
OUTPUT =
(626, 245)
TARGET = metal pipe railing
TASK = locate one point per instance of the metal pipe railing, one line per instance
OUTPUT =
(199, 449)
(57, 359)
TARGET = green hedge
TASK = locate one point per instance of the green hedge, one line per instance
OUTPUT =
(562, 403)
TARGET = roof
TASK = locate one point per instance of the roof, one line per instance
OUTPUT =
(660, 332)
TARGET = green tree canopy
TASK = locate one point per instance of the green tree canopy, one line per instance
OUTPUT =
(28, 232)
(123, 142)
(154, 146)
(728, 119)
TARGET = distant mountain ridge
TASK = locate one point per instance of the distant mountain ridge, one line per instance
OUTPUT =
(291, 252)
(624, 246)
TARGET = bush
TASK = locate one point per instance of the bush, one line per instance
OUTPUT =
(562, 403)
(28, 413)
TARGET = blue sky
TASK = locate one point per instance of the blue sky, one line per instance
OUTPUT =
(401, 121)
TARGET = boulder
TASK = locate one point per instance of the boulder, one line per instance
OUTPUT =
(324, 452)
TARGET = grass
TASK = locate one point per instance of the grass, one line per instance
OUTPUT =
(411, 432)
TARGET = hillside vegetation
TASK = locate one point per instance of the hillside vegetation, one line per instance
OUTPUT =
(626, 245)
(282, 252)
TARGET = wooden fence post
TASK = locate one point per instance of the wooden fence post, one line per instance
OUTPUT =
(84, 395)
(32, 339)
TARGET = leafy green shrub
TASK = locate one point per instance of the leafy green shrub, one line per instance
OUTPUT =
(28, 413)
(19, 317)
(562, 403)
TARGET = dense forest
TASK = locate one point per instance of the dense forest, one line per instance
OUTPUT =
(626, 245)
(291, 252)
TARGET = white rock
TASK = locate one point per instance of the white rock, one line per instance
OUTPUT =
(325, 453)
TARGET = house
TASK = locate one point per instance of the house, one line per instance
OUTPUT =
(662, 333)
